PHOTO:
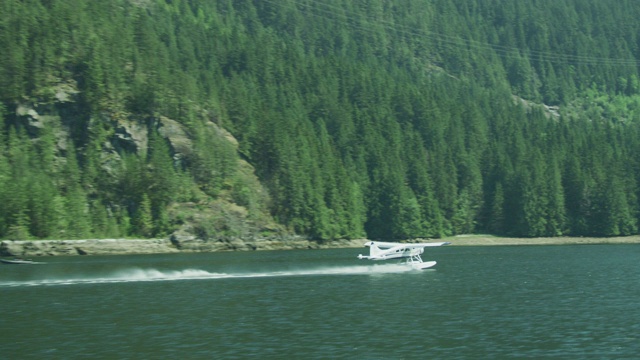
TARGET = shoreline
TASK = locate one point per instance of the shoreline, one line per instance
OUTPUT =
(36, 248)
(489, 240)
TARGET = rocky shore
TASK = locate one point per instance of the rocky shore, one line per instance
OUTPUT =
(33, 248)
(488, 240)
(29, 248)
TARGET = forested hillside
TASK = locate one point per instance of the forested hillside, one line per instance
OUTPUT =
(325, 118)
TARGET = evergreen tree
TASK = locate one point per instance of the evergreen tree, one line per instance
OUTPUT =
(143, 218)
(354, 125)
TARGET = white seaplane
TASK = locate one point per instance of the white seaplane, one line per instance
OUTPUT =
(410, 253)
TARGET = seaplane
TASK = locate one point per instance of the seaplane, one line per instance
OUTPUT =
(408, 253)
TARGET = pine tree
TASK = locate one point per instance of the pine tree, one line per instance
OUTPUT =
(162, 177)
(143, 218)
(77, 213)
(497, 218)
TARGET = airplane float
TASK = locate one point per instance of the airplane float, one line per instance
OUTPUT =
(410, 253)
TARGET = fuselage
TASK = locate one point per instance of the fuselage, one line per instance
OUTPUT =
(385, 250)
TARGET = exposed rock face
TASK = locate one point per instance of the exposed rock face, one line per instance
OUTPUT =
(548, 110)
(130, 135)
(181, 143)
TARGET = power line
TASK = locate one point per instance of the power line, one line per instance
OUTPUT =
(320, 9)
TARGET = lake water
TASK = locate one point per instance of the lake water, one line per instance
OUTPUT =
(565, 302)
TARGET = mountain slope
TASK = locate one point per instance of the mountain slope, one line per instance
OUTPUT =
(323, 118)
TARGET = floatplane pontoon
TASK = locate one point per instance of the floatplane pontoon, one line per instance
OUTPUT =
(410, 253)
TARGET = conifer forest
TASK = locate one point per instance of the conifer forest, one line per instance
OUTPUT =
(330, 119)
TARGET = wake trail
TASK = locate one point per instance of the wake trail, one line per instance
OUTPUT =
(148, 275)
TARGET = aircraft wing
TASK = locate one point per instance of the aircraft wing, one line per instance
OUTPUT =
(385, 250)
(389, 245)
(433, 244)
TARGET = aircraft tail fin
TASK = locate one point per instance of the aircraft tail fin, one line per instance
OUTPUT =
(374, 250)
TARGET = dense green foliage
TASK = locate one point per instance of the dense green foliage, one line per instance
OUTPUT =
(369, 118)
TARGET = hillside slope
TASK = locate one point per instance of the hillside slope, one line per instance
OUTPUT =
(144, 118)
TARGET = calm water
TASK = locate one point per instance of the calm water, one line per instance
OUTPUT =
(567, 302)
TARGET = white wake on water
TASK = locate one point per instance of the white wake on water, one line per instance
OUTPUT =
(146, 275)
